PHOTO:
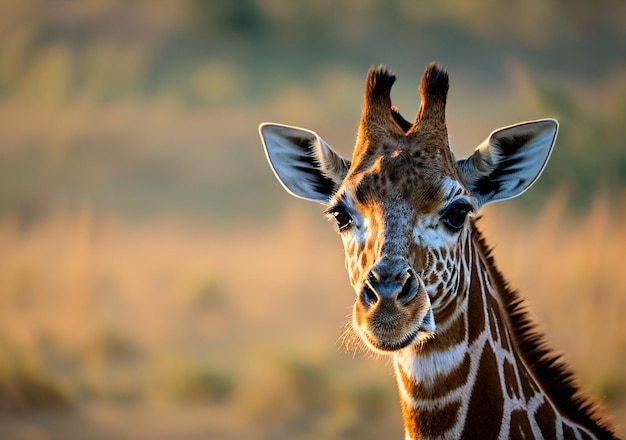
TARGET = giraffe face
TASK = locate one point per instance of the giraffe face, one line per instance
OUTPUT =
(402, 203)
(400, 217)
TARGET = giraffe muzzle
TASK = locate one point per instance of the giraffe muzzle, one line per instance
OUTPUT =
(392, 308)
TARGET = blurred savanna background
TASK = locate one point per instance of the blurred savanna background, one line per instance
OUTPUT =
(156, 282)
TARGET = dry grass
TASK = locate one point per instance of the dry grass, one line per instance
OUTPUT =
(113, 327)
(243, 322)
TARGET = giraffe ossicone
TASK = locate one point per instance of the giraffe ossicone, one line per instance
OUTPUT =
(467, 361)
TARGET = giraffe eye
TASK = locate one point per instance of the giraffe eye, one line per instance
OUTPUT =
(454, 217)
(343, 219)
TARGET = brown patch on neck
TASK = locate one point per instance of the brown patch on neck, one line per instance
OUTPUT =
(431, 423)
(486, 405)
(454, 334)
(442, 385)
(520, 425)
(475, 306)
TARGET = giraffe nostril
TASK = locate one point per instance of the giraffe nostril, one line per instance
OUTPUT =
(408, 288)
(368, 296)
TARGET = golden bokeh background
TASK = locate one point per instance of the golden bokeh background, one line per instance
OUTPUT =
(156, 282)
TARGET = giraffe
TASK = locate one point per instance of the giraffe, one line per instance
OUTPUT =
(468, 360)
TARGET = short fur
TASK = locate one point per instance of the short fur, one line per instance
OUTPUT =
(398, 208)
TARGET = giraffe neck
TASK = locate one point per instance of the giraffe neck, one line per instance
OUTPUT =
(472, 379)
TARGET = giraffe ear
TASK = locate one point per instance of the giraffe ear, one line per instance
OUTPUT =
(305, 165)
(509, 161)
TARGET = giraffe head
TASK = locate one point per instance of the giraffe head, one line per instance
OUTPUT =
(403, 202)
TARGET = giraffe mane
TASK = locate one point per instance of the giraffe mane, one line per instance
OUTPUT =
(548, 367)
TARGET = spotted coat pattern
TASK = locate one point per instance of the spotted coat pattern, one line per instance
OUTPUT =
(468, 361)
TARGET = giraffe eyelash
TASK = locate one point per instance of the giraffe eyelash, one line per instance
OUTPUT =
(453, 217)
(341, 216)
